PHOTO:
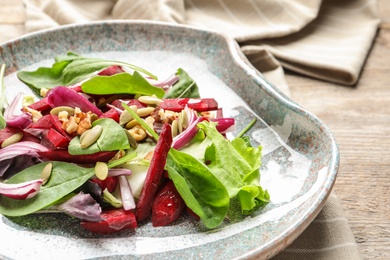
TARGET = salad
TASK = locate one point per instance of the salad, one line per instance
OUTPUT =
(108, 143)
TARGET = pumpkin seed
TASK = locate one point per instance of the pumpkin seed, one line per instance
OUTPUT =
(174, 128)
(12, 139)
(101, 170)
(132, 123)
(125, 116)
(150, 100)
(46, 173)
(145, 111)
(57, 110)
(90, 136)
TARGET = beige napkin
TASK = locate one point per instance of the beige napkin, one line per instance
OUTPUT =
(325, 39)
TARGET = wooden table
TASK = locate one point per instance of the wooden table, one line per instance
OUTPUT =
(359, 118)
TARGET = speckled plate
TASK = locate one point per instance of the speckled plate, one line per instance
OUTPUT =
(300, 156)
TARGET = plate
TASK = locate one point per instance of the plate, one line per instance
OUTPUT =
(299, 164)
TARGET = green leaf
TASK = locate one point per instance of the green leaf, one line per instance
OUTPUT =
(121, 83)
(70, 69)
(235, 164)
(185, 88)
(113, 138)
(65, 178)
(202, 192)
(44, 77)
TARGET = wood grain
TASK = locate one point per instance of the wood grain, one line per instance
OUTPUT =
(359, 118)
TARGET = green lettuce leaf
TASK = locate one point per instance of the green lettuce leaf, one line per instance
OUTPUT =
(65, 178)
(235, 164)
(112, 138)
(70, 69)
(121, 83)
(202, 192)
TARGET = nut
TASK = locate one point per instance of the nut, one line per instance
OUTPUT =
(131, 139)
(138, 133)
(12, 139)
(84, 124)
(71, 126)
(90, 136)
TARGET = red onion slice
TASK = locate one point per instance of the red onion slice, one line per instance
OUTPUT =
(14, 116)
(24, 190)
(21, 148)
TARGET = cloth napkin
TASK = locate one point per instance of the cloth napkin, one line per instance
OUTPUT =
(324, 39)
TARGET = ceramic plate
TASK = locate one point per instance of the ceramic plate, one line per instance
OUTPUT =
(299, 164)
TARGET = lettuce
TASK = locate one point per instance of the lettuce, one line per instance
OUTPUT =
(234, 163)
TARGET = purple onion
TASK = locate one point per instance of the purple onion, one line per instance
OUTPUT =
(63, 96)
(14, 116)
(24, 190)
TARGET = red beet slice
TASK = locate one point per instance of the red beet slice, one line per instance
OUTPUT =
(53, 138)
(167, 206)
(112, 113)
(198, 104)
(154, 174)
(40, 105)
(64, 156)
(114, 220)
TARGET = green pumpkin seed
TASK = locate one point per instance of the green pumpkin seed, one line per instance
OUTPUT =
(125, 116)
(12, 139)
(150, 100)
(46, 173)
(101, 170)
(57, 110)
(145, 111)
(90, 136)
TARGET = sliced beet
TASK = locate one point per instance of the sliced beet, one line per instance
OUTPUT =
(45, 122)
(131, 102)
(40, 105)
(154, 174)
(51, 121)
(64, 156)
(109, 183)
(113, 220)
(111, 113)
(56, 139)
(167, 206)
(198, 104)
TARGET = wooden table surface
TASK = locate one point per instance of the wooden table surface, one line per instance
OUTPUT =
(359, 118)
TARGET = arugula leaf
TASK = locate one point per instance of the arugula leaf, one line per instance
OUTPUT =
(112, 138)
(235, 164)
(202, 192)
(121, 83)
(185, 88)
(65, 178)
(68, 70)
